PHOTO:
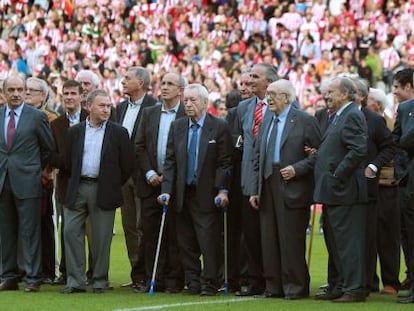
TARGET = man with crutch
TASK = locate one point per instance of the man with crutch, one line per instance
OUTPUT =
(197, 171)
(151, 145)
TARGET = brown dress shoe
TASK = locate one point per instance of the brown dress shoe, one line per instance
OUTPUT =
(32, 288)
(349, 298)
(9, 285)
(389, 290)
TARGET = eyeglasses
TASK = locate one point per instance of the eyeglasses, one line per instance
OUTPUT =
(168, 83)
(274, 94)
(34, 90)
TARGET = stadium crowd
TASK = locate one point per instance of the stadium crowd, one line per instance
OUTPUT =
(121, 83)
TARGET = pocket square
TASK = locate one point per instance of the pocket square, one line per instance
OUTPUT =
(213, 141)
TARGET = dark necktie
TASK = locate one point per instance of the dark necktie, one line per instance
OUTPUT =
(331, 117)
(192, 155)
(270, 150)
(11, 129)
(258, 116)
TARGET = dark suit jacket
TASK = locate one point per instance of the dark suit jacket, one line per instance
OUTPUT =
(146, 143)
(403, 132)
(122, 107)
(300, 130)
(323, 119)
(340, 164)
(213, 164)
(381, 148)
(115, 168)
(31, 149)
(60, 128)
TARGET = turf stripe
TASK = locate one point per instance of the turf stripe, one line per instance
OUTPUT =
(184, 304)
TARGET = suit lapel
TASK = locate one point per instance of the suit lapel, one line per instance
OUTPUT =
(204, 140)
(155, 125)
(267, 122)
(2, 120)
(107, 139)
(181, 134)
(23, 119)
(290, 122)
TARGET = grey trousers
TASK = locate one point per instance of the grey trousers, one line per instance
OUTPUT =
(102, 222)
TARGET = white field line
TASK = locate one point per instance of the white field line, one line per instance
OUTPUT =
(185, 304)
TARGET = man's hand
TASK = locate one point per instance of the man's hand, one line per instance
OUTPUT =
(369, 173)
(288, 172)
(164, 199)
(155, 180)
(223, 198)
(254, 201)
(309, 150)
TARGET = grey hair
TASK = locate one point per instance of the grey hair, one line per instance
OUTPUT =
(43, 84)
(346, 85)
(270, 71)
(142, 74)
(379, 96)
(89, 74)
(95, 93)
(14, 76)
(202, 91)
(361, 86)
(288, 87)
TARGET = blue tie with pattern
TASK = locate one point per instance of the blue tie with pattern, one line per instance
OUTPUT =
(192, 155)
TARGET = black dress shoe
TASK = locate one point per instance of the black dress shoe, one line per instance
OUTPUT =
(72, 290)
(172, 290)
(406, 284)
(206, 292)
(406, 299)
(248, 292)
(191, 291)
(98, 290)
(345, 298)
(32, 288)
(9, 285)
(295, 297)
(267, 294)
(327, 295)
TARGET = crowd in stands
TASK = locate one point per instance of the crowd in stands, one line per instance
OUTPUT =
(208, 42)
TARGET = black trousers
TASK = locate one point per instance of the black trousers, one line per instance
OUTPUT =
(199, 234)
(169, 271)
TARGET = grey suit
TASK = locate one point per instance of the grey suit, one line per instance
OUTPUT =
(340, 184)
(20, 186)
(250, 226)
(284, 207)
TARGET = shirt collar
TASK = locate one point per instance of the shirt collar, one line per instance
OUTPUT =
(75, 116)
(17, 111)
(135, 103)
(199, 122)
(174, 109)
(88, 124)
(285, 112)
(338, 113)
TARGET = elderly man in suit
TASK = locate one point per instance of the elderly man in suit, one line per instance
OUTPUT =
(150, 150)
(340, 184)
(99, 160)
(249, 115)
(135, 84)
(71, 97)
(26, 144)
(197, 171)
(37, 92)
(282, 181)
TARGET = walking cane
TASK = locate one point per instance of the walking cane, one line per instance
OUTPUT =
(226, 277)
(313, 213)
(157, 252)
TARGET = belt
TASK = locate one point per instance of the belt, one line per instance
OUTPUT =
(89, 179)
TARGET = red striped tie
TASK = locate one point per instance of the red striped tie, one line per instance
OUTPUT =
(258, 116)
